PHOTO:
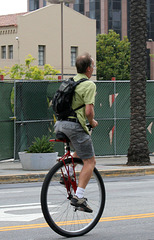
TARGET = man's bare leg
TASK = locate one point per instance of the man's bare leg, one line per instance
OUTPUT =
(84, 177)
(86, 172)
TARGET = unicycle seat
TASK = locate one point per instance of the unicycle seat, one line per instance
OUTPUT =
(62, 137)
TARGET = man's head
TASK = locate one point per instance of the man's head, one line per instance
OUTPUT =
(85, 64)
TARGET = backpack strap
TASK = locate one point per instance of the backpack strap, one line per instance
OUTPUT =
(79, 107)
(78, 82)
(81, 80)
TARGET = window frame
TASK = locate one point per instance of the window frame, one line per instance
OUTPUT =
(3, 52)
(41, 55)
(74, 53)
(10, 51)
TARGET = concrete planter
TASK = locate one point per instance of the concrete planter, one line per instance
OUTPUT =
(37, 161)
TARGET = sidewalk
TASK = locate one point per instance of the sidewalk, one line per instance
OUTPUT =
(11, 171)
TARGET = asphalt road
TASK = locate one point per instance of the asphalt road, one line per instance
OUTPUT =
(128, 215)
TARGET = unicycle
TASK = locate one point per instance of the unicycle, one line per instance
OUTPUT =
(63, 218)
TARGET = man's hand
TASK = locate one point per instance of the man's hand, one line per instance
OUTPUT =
(94, 123)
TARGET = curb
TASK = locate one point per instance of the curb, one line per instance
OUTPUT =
(36, 177)
(23, 178)
(127, 172)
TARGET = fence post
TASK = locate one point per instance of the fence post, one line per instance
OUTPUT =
(1, 77)
(15, 109)
(114, 127)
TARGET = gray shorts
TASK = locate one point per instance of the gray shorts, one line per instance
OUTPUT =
(80, 140)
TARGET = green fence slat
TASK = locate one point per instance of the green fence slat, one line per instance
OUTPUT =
(6, 125)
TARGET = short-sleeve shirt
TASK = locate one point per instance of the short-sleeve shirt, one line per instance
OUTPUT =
(84, 94)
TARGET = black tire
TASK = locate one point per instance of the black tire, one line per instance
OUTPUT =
(57, 210)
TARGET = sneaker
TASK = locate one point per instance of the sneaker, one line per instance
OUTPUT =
(81, 203)
(66, 179)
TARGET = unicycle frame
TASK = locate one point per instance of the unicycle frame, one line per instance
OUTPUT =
(68, 183)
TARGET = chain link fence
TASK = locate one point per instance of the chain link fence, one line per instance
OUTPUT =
(34, 117)
(33, 111)
(6, 124)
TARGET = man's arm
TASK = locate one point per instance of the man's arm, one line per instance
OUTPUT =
(89, 111)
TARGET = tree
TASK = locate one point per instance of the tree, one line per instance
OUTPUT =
(28, 72)
(3, 71)
(138, 153)
(113, 57)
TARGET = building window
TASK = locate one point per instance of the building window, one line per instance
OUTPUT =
(114, 15)
(41, 55)
(94, 13)
(10, 51)
(79, 6)
(73, 55)
(44, 3)
(33, 5)
(3, 52)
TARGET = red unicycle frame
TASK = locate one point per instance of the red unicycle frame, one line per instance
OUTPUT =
(68, 183)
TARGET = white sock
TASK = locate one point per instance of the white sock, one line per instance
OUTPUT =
(70, 169)
(80, 192)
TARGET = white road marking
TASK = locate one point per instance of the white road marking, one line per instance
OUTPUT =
(9, 212)
(11, 192)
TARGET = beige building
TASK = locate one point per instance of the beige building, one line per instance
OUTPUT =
(39, 33)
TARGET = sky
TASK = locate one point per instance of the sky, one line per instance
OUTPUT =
(12, 6)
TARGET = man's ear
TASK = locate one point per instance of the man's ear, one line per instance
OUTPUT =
(88, 69)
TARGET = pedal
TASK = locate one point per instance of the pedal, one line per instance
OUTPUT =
(69, 197)
(79, 209)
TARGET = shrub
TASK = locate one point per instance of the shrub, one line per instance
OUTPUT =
(41, 145)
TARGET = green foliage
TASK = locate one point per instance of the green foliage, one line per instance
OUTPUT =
(30, 72)
(113, 57)
(29, 60)
(48, 69)
(16, 72)
(41, 145)
(152, 55)
(12, 100)
(3, 71)
(34, 73)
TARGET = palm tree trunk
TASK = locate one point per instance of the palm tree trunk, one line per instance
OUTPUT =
(138, 153)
